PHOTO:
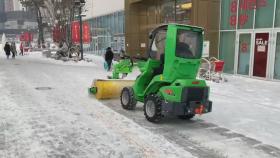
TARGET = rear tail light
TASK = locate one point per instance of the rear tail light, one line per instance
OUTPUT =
(199, 110)
(169, 91)
(195, 82)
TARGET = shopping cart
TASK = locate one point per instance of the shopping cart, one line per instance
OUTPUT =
(205, 69)
(212, 69)
(217, 69)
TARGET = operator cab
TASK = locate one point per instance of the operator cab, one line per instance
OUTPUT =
(182, 43)
(157, 47)
(187, 44)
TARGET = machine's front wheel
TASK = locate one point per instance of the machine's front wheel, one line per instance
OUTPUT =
(127, 99)
(186, 117)
(152, 108)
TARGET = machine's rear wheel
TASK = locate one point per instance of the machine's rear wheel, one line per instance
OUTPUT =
(152, 108)
(186, 117)
(127, 99)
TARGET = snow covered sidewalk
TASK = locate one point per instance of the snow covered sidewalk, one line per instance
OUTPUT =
(63, 121)
(248, 106)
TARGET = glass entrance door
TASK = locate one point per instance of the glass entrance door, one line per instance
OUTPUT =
(261, 54)
(244, 53)
(277, 58)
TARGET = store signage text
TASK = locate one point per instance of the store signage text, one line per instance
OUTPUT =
(244, 5)
(261, 45)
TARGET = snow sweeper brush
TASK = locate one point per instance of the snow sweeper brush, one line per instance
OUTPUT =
(107, 89)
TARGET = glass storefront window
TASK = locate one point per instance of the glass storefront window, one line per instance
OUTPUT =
(167, 11)
(277, 58)
(228, 14)
(277, 14)
(245, 14)
(244, 54)
(264, 13)
(183, 11)
(227, 49)
(106, 30)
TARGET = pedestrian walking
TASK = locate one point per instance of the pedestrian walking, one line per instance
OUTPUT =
(109, 55)
(21, 48)
(13, 50)
(7, 50)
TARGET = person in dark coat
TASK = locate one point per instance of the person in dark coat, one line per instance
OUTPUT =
(7, 50)
(13, 50)
(109, 55)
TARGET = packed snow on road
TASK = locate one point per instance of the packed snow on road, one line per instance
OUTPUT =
(46, 111)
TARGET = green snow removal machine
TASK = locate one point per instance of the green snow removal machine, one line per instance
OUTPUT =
(168, 84)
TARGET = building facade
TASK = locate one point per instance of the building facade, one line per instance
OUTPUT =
(107, 25)
(141, 16)
(107, 31)
(2, 6)
(2, 14)
(17, 5)
(250, 38)
(15, 19)
(9, 5)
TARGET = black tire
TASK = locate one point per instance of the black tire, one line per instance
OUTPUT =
(128, 100)
(153, 115)
(186, 117)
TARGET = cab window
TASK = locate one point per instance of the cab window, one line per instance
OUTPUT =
(158, 45)
(188, 44)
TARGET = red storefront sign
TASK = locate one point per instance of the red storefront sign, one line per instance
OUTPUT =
(76, 32)
(59, 33)
(244, 5)
(86, 33)
(21, 38)
(26, 36)
(56, 34)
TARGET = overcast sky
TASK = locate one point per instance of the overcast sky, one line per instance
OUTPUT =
(101, 7)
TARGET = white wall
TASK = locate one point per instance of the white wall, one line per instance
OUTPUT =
(17, 5)
(102, 7)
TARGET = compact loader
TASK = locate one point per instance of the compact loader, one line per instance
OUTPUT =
(168, 84)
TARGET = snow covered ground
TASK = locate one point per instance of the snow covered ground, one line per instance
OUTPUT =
(64, 121)
(248, 106)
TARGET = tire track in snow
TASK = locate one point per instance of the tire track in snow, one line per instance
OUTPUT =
(199, 137)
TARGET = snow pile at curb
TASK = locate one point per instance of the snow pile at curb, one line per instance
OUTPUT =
(39, 56)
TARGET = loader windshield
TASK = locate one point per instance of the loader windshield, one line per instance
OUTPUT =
(188, 44)
(158, 45)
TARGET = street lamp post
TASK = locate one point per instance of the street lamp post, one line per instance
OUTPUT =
(81, 33)
(80, 4)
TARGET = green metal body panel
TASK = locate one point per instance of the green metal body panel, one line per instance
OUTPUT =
(141, 65)
(175, 67)
(178, 72)
(124, 66)
(177, 88)
(144, 79)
